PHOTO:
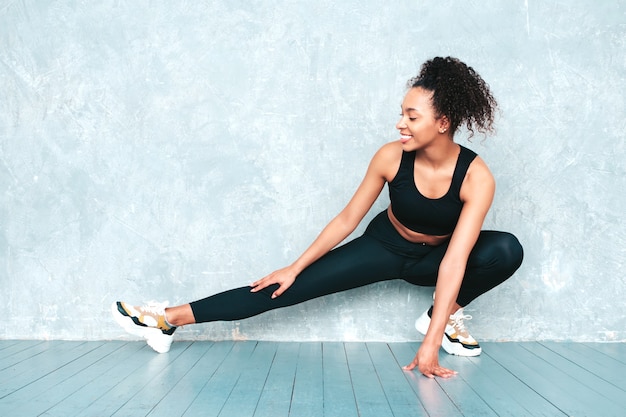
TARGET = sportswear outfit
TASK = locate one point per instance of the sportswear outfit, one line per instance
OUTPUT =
(381, 254)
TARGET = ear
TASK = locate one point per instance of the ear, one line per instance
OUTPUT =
(444, 124)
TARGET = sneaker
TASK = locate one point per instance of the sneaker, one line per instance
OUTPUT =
(145, 321)
(456, 339)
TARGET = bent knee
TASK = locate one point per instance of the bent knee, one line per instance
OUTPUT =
(502, 248)
(510, 250)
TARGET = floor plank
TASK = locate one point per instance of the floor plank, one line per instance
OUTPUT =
(583, 369)
(308, 388)
(185, 391)
(400, 395)
(8, 343)
(616, 351)
(11, 347)
(433, 398)
(370, 396)
(215, 392)
(241, 379)
(567, 394)
(14, 362)
(124, 386)
(606, 367)
(506, 394)
(15, 359)
(459, 387)
(275, 399)
(338, 393)
(246, 393)
(43, 369)
(46, 392)
(97, 381)
(163, 381)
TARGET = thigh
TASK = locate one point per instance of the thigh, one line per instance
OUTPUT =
(360, 262)
(495, 257)
(423, 270)
(495, 251)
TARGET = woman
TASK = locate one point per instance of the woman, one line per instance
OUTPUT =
(429, 235)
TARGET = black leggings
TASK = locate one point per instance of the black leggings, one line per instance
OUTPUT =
(380, 254)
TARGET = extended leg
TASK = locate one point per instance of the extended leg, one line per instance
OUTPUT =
(360, 262)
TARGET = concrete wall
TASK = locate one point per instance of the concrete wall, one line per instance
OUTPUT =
(170, 150)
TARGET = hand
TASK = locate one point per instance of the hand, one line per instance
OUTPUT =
(283, 277)
(427, 361)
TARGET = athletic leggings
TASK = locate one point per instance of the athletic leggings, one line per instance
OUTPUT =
(380, 254)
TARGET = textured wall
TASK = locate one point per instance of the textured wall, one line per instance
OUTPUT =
(170, 150)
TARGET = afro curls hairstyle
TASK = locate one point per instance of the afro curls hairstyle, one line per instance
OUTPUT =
(458, 93)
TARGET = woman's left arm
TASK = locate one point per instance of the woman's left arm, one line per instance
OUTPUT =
(477, 194)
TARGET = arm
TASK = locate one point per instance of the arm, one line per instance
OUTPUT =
(477, 194)
(340, 227)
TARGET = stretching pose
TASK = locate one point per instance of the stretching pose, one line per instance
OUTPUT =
(430, 234)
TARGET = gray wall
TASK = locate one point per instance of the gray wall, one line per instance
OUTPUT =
(170, 150)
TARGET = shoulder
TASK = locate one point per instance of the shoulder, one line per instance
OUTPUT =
(478, 169)
(391, 150)
(387, 159)
(478, 180)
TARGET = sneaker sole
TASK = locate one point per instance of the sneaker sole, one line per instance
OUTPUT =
(456, 348)
(160, 343)
(452, 348)
(155, 338)
(422, 323)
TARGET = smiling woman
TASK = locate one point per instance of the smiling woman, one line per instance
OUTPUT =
(430, 235)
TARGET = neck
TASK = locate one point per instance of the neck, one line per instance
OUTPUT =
(439, 153)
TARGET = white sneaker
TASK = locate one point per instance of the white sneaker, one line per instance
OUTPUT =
(456, 339)
(145, 321)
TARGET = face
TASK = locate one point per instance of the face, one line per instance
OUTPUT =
(419, 124)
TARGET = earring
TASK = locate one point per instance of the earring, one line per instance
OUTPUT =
(443, 131)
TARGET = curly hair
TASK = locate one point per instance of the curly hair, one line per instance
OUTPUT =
(459, 93)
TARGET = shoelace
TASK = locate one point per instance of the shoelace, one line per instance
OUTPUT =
(459, 324)
(154, 307)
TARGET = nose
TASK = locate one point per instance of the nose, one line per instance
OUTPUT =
(401, 124)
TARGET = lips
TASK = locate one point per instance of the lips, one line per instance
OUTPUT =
(405, 138)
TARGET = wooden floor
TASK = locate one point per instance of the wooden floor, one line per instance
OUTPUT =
(232, 379)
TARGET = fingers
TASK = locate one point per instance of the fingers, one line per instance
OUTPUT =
(279, 291)
(262, 283)
(283, 277)
(443, 372)
(259, 285)
(410, 366)
(283, 286)
(271, 280)
(430, 371)
(424, 372)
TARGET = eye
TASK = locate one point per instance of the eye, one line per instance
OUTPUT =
(409, 117)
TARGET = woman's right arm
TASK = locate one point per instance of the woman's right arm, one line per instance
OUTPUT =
(342, 225)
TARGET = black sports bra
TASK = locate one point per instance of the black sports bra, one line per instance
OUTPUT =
(431, 216)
